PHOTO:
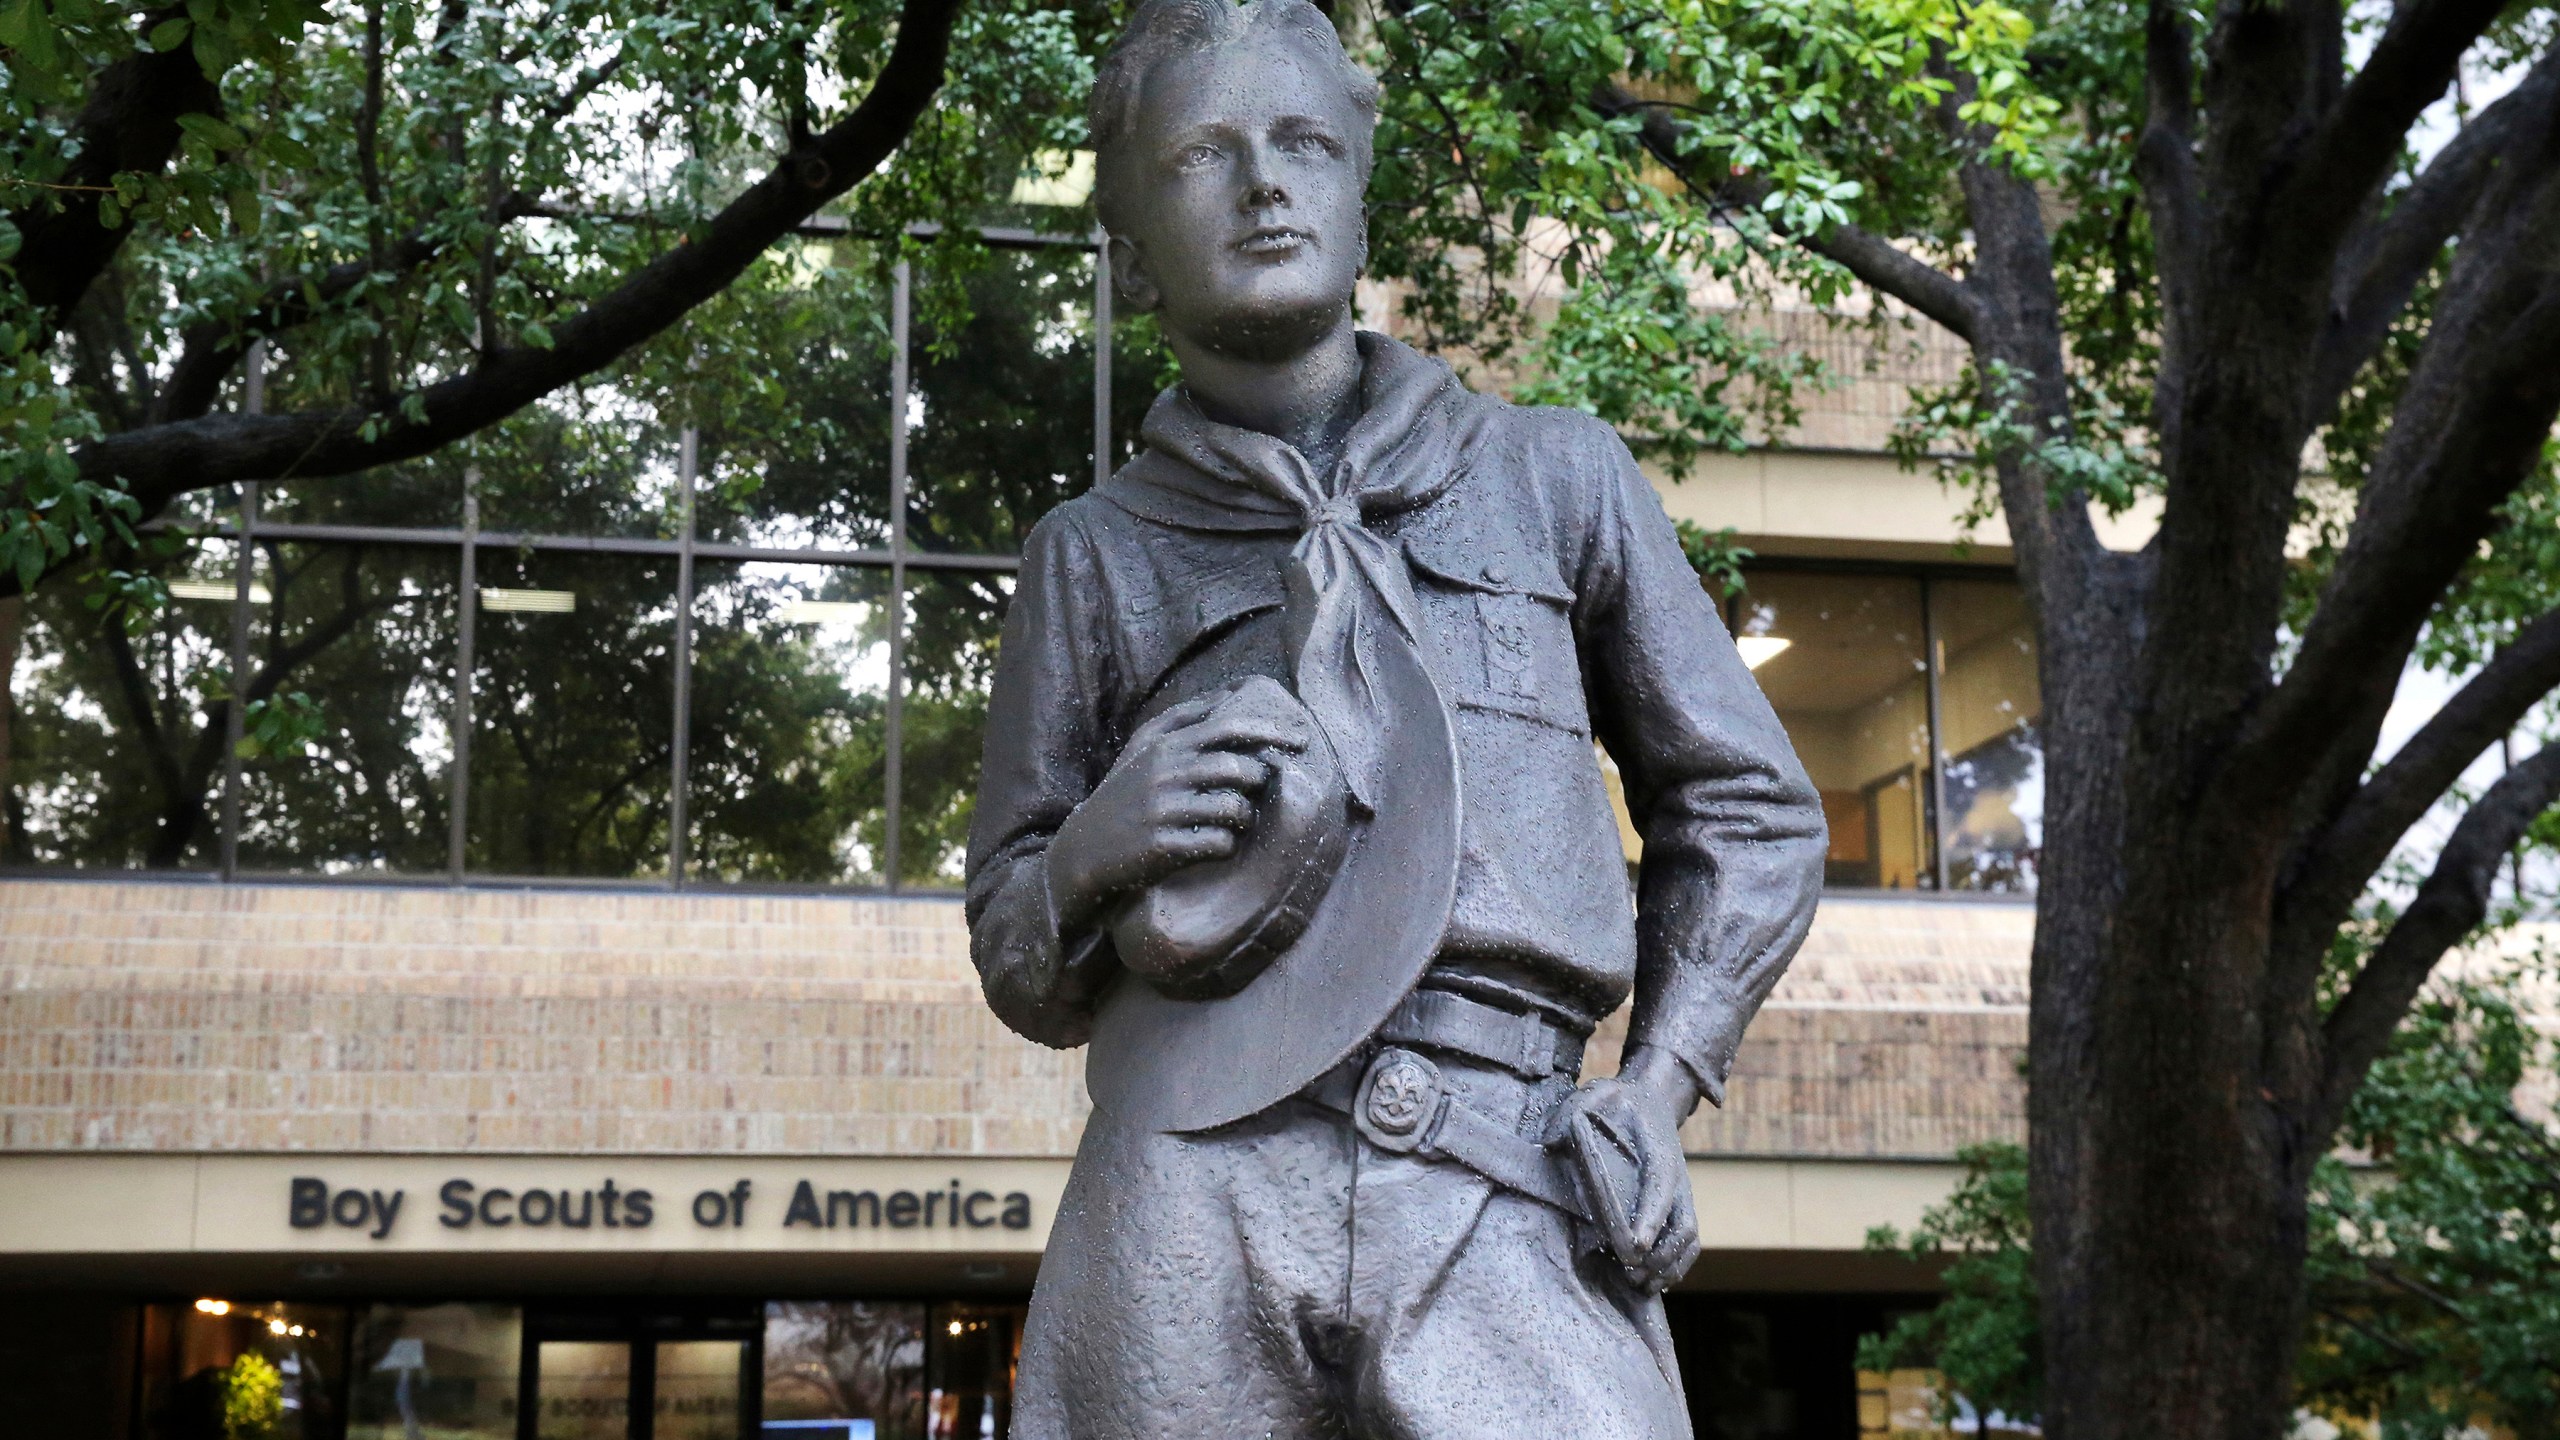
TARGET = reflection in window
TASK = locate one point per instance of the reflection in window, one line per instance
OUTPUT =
(582, 1390)
(698, 1390)
(351, 664)
(447, 1371)
(112, 733)
(1843, 660)
(1988, 706)
(572, 711)
(1000, 420)
(788, 747)
(861, 1364)
(969, 1371)
(218, 1368)
(953, 619)
(806, 462)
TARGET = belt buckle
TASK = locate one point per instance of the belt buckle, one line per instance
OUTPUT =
(1399, 1101)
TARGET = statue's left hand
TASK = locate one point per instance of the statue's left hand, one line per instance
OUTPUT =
(1654, 1239)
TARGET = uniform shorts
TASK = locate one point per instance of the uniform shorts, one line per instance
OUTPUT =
(1282, 1278)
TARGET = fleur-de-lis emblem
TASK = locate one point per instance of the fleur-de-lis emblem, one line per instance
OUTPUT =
(1398, 1097)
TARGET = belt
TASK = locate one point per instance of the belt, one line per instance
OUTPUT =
(1529, 1046)
(1400, 1102)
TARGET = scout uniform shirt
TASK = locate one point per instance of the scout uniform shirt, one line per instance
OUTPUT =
(1537, 577)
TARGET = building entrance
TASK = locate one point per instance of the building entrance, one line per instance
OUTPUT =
(641, 1375)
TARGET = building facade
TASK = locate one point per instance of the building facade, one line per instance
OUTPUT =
(542, 1009)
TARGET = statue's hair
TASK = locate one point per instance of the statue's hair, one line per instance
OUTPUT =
(1164, 29)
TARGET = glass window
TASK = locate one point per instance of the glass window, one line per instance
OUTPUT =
(598, 461)
(1843, 659)
(572, 714)
(953, 621)
(805, 463)
(787, 752)
(698, 1390)
(969, 1371)
(351, 668)
(112, 753)
(1988, 707)
(844, 1370)
(582, 1390)
(445, 1371)
(215, 1369)
(1000, 411)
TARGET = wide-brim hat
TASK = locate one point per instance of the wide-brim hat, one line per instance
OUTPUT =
(1205, 932)
(1367, 894)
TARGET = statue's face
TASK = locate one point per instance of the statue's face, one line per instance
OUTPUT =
(1245, 230)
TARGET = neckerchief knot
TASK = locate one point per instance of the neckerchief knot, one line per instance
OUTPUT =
(1351, 607)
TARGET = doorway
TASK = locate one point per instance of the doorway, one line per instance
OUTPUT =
(641, 1374)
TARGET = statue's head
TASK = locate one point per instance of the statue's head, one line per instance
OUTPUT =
(1232, 152)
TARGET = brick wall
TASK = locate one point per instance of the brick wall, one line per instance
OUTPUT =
(181, 1017)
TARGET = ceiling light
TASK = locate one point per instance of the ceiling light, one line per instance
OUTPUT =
(529, 602)
(823, 612)
(275, 1327)
(1759, 650)
(215, 587)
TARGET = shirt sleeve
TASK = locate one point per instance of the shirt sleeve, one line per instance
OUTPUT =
(1045, 749)
(1733, 830)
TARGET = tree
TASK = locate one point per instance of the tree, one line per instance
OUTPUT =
(2188, 245)
(2435, 1296)
(430, 217)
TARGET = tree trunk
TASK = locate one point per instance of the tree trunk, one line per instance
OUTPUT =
(2168, 1185)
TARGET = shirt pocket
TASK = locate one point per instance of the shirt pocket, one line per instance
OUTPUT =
(1181, 617)
(1503, 624)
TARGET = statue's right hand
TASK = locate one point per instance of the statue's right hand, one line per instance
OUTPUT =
(1182, 792)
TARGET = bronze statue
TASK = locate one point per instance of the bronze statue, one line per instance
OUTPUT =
(1291, 812)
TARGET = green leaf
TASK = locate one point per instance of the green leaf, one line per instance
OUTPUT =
(288, 150)
(217, 133)
(170, 34)
(216, 51)
(26, 28)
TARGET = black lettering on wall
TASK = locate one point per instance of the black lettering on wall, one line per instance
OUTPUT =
(610, 1196)
(353, 1217)
(386, 1208)
(710, 1208)
(490, 1200)
(456, 1196)
(969, 1210)
(536, 1207)
(803, 1209)
(903, 1205)
(854, 1203)
(585, 1218)
(308, 1207)
(635, 1207)
(1017, 1211)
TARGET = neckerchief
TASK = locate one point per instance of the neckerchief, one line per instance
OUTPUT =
(1351, 607)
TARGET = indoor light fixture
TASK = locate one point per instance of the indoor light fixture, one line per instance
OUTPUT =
(528, 602)
(822, 612)
(215, 587)
(1759, 650)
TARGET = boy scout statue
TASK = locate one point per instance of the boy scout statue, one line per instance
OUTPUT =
(1291, 813)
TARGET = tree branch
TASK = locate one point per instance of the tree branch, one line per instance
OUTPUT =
(2335, 866)
(2449, 906)
(214, 348)
(1873, 259)
(2469, 428)
(2382, 265)
(130, 124)
(2360, 139)
(2166, 158)
(163, 461)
